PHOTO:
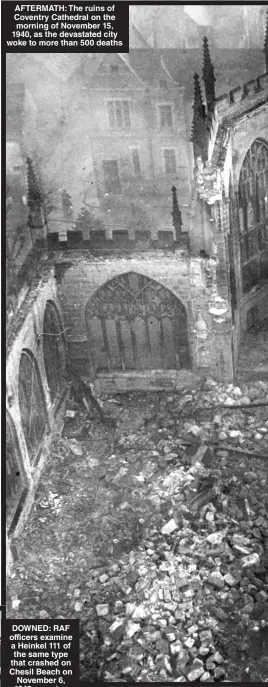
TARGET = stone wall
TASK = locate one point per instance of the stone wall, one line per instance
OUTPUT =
(82, 273)
(25, 332)
(69, 279)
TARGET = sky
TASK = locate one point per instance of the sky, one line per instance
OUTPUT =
(201, 14)
(232, 26)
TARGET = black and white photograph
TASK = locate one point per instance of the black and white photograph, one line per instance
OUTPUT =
(137, 343)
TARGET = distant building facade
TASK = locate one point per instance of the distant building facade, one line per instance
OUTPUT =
(125, 141)
(137, 138)
(114, 136)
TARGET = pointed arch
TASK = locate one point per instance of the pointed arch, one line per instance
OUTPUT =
(54, 350)
(253, 214)
(134, 322)
(32, 404)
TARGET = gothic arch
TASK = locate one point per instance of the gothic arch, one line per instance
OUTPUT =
(135, 323)
(253, 214)
(54, 350)
(241, 150)
(32, 404)
(15, 475)
(253, 177)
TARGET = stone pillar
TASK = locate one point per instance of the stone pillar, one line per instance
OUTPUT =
(223, 339)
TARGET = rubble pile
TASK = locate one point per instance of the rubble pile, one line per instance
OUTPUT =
(170, 564)
(204, 565)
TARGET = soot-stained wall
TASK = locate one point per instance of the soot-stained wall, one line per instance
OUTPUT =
(191, 280)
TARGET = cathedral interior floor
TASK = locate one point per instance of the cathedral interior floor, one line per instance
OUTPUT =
(164, 590)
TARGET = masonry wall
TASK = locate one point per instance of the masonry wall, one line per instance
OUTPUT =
(82, 273)
(24, 333)
(69, 279)
(240, 118)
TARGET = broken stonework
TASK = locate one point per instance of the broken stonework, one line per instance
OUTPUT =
(173, 597)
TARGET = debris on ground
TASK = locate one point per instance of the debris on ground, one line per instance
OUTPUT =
(154, 533)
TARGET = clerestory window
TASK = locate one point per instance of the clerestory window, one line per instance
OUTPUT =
(253, 215)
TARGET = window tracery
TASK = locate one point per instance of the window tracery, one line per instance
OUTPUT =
(135, 322)
(31, 403)
(253, 214)
(53, 351)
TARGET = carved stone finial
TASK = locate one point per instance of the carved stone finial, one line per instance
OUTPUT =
(218, 309)
(34, 193)
(208, 76)
(198, 136)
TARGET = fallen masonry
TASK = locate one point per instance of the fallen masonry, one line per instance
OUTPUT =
(161, 542)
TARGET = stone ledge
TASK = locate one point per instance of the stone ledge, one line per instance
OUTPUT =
(149, 380)
(83, 256)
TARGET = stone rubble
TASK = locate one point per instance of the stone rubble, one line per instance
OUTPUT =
(186, 576)
(196, 571)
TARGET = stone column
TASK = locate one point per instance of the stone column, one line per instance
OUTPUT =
(223, 333)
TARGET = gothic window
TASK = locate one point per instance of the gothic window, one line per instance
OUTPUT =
(32, 404)
(253, 214)
(134, 322)
(15, 476)
(53, 351)
(231, 247)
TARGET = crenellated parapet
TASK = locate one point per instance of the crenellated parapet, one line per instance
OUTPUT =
(98, 240)
(228, 103)
(232, 104)
(239, 100)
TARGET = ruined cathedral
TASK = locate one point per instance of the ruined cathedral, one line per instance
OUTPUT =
(149, 281)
